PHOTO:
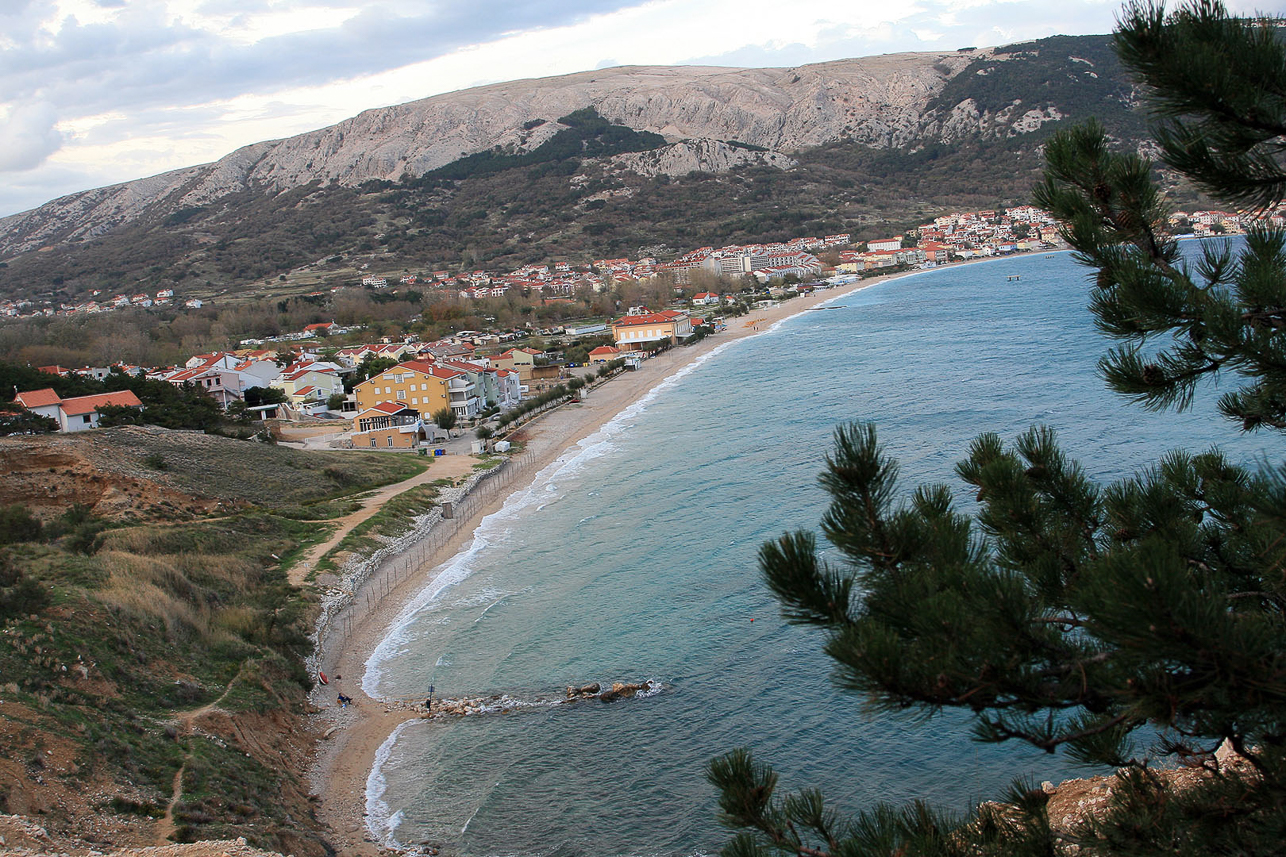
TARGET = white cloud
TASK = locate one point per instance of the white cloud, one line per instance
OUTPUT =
(28, 137)
(114, 90)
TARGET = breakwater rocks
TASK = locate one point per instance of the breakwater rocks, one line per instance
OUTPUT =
(503, 703)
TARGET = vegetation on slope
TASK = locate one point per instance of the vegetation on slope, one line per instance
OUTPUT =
(114, 624)
(562, 200)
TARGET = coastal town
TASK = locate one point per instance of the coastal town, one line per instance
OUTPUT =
(416, 486)
(953, 237)
(397, 393)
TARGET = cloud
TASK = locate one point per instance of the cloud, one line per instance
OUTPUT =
(28, 137)
(146, 54)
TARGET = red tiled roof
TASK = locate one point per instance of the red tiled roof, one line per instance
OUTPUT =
(88, 404)
(651, 318)
(427, 369)
(38, 398)
(389, 408)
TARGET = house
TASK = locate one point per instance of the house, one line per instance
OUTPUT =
(354, 355)
(388, 425)
(310, 383)
(222, 385)
(501, 388)
(604, 354)
(705, 299)
(423, 386)
(44, 402)
(445, 349)
(894, 243)
(323, 329)
(520, 360)
(78, 413)
(637, 330)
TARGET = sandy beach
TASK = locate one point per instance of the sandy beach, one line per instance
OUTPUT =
(353, 735)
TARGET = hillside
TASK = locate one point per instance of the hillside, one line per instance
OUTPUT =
(150, 646)
(507, 173)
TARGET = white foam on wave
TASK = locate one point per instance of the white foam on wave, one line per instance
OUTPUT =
(380, 820)
(545, 488)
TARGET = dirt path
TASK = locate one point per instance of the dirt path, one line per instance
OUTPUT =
(441, 467)
(165, 825)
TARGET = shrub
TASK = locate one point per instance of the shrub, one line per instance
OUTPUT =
(17, 524)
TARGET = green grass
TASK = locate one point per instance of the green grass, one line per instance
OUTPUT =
(157, 618)
(394, 518)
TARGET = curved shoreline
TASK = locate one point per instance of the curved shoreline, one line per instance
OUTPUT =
(345, 757)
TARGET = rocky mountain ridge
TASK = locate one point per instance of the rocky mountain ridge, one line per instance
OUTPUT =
(878, 101)
(599, 163)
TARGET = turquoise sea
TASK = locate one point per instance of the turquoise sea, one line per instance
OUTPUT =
(634, 558)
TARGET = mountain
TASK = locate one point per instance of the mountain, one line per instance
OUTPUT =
(423, 175)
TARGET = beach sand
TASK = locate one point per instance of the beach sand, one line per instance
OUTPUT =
(344, 759)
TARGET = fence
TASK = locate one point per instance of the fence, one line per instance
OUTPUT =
(367, 581)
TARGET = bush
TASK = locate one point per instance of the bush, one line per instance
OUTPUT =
(483, 432)
(17, 524)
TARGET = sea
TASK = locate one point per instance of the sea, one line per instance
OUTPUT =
(633, 559)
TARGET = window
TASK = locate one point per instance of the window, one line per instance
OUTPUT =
(414, 401)
(372, 441)
(85, 419)
(401, 395)
(388, 390)
(390, 440)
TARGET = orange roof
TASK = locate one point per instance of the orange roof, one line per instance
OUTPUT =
(650, 318)
(89, 404)
(427, 369)
(388, 408)
(38, 398)
(605, 349)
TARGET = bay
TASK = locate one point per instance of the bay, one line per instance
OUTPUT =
(634, 558)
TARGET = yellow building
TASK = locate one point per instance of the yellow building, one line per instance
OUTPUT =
(388, 426)
(520, 360)
(636, 330)
(423, 386)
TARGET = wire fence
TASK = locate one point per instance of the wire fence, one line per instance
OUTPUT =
(369, 581)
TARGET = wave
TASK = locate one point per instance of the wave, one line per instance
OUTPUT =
(380, 820)
(544, 489)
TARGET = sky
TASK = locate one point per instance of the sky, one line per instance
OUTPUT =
(94, 92)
